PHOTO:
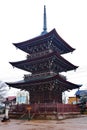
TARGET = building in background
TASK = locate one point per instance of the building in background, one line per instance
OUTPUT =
(22, 97)
(73, 100)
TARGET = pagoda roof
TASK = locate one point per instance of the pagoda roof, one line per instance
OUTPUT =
(65, 65)
(52, 35)
(26, 84)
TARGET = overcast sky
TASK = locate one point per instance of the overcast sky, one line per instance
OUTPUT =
(21, 20)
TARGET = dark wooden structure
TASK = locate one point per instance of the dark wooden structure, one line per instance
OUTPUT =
(45, 62)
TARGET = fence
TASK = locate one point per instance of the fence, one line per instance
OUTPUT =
(45, 108)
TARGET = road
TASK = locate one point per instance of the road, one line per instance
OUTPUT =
(79, 123)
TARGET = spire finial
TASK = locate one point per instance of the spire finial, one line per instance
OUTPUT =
(44, 22)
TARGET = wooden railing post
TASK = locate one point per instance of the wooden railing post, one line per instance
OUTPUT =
(45, 107)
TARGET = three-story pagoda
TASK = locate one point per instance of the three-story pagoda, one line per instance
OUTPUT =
(45, 83)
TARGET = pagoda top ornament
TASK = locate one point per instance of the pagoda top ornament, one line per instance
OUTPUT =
(44, 22)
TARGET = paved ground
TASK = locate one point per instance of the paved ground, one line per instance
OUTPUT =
(68, 124)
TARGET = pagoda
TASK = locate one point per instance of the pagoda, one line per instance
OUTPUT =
(44, 63)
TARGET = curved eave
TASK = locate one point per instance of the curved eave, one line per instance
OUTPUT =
(40, 39)
(63, 62)
(64, 43)
(26, 84)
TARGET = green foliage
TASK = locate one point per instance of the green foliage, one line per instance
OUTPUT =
(82, 104)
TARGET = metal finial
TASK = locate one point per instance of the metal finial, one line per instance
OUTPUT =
(44, 22)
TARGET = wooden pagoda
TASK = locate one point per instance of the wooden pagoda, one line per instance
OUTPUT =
(45, 63)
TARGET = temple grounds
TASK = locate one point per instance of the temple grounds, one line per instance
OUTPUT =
(79, 123)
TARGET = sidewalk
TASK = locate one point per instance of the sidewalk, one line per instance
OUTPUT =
(68, 124)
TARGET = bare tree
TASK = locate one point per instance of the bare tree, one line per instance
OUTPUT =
(3, 89)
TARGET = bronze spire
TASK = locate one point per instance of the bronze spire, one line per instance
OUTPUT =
(44, 22)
